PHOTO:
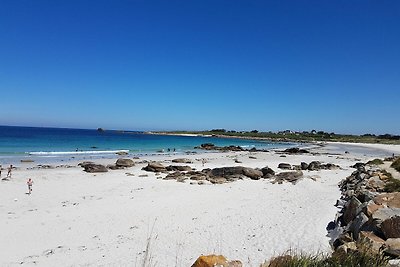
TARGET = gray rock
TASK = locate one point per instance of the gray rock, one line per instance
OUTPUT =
(356, 225)
(350, 211)
(179, 168)
(124, 163)
(92, 168)
(267, 172)
(291, 177)
(252, 173)
(314, 166)
(285, 166)
(155, 167)
(304, 166)
(182, 160)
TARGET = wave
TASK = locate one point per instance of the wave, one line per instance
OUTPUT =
(77, 152)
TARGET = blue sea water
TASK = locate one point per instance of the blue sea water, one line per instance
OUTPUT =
(54, 143)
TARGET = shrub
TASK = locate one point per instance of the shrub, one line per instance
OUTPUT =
(396, 164)
(375, 162)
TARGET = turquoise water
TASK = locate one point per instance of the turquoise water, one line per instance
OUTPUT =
(57, 143)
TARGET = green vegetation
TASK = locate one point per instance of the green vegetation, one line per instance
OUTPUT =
(375, 162)
(396, 165)
(358, 258)
(299, 136)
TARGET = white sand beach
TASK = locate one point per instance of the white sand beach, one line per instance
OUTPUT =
(74, 218)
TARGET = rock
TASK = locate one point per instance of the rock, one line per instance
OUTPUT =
(182, 160)
(393, 246)
(215, 261)
(295, 150)
(357, 224)
(217, 180)
(252, 157)
(314, 166)
(27, 160)
(179, 168)
(92, 168)
(303, 166)
(346, 248)
(267, 172)
(291, 177)
(113, 167)
(350, 210)
(371, 240)
(237, 161)
(372, 207)
(155, 167)
(359, 166)
(376, 183)
(83, 164)
(122, 153)
(391, 227)
(124, 163)
(385, 213)
(285, 166)
(173, 176)
(391, 200)
(252, 173)
(227, 171)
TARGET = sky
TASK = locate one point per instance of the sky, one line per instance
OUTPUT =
(201, 64)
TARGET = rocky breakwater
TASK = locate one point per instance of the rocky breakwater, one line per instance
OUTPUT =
(370, 216)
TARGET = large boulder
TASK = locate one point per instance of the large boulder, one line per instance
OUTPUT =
(295, 150)
(291, 177)
(124, 163)
(391, 227)
(267, 172)
(155, 167)
(215, 261)
(350, 211)
(252, 173)
(371, 240)
(227, 171)
(391, 200)
(93, 168)
(285, 166)
(314, 166)
(182, 160)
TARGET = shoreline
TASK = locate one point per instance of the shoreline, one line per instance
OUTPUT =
(96, 219)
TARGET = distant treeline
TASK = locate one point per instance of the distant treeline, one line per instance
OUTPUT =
(313, 135)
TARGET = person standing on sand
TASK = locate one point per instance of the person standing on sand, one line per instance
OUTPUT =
(9, 171)
(29, 183)
(0, 171)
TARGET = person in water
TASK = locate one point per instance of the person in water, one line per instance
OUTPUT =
(29, 183)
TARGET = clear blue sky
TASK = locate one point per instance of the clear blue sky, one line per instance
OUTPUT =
(201, 64)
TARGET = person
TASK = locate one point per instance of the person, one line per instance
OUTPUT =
(29, 183)
(0, 171)
(9, 171)
(203, 161)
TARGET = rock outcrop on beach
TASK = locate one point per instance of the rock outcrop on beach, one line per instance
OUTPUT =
(125, 163)
(215, 260)
(369, 216)
(92, 167)
(210, 146)
(155, 167)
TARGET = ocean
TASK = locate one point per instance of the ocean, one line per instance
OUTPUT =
(54, 144)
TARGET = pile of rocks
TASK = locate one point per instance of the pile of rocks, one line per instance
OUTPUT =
(92, 167)
(369, 217)
(221, 175)
(312, 166)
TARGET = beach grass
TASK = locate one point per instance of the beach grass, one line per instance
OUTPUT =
(375, 162)
(359, 258)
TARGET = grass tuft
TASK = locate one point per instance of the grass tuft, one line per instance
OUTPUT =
(360, 258)
(375, 162)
